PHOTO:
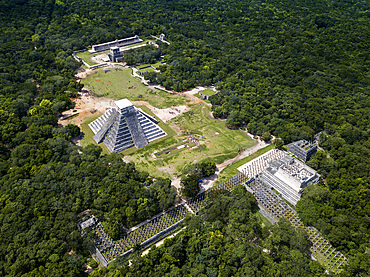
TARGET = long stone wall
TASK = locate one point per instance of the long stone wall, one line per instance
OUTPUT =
(115, 43)
(92, 67)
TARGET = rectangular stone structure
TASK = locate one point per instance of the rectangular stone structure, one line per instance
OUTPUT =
(124, 126)
(302, 149)
(115, 43)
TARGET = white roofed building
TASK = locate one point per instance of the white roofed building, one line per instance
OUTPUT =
(282, 172)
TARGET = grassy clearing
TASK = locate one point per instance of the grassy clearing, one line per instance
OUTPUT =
(231, 170)
(147, 65)
(208, 92)
(118, 84)
(148, 69)
(217, 143)
(86, 56)
(143, 66)
(136, 44)
(157, 64)
(205, 100)
(88, 135)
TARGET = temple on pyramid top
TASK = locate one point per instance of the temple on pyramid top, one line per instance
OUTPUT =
(123, 126)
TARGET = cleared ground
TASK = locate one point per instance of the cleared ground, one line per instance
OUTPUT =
(118, 84)
(88, 57)
(88, 135)
(195, 127)
(141, 66)
(193, 133)
(216, 143)
(208, 92)
(232, 169)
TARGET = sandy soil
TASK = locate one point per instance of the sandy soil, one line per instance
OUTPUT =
(209, 181)
(164, 114)
(86, 106)
(198, 89)
(82, 73)
(99, 58)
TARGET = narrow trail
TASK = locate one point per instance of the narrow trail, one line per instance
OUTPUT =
(261, 144)
(189, 94)
(209, 181)
(85, 103)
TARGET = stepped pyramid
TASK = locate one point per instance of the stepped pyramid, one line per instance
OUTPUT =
(124, 126)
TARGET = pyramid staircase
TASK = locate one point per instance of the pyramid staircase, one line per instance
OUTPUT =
(136, 130)
(105, 126)
(122, 130)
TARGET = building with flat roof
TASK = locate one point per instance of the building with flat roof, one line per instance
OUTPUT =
(281, 172)
(115, 55)
(302, 149)
(288, 176)
(124, 126)
(115, 43)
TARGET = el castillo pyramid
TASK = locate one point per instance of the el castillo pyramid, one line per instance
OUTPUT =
(124, 126)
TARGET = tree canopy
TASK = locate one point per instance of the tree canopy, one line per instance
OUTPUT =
(282, 68)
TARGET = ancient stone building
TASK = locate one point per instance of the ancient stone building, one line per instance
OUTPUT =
(302, 149)
(115, 43)
(124, 126)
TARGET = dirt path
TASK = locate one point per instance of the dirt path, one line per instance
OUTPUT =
(86, 105)
(209, 181)
(83, 73)
(164, 114)
(159, 243)
(261, 144)
(189, 94)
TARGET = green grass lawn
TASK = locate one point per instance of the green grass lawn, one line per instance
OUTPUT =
(86, 56)
(263, 219)
(145, 66)
(231, 170)
(148, 69)
(208, 92)
(205, 100)
(217, 143)
(115, 84)
(88, 135)
(136, 44)
(157, 64)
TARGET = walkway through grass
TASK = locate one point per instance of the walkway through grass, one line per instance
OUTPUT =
(118, 83)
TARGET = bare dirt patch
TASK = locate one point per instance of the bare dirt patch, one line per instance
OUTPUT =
(99, 58)
(83, 73)
(164, 114)
(86, 106)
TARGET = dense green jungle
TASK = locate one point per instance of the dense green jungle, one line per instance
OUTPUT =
(285, 68)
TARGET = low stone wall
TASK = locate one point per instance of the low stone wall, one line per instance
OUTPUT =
(161, 234)
(100, 257)
(92, 67)
(147, 242)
